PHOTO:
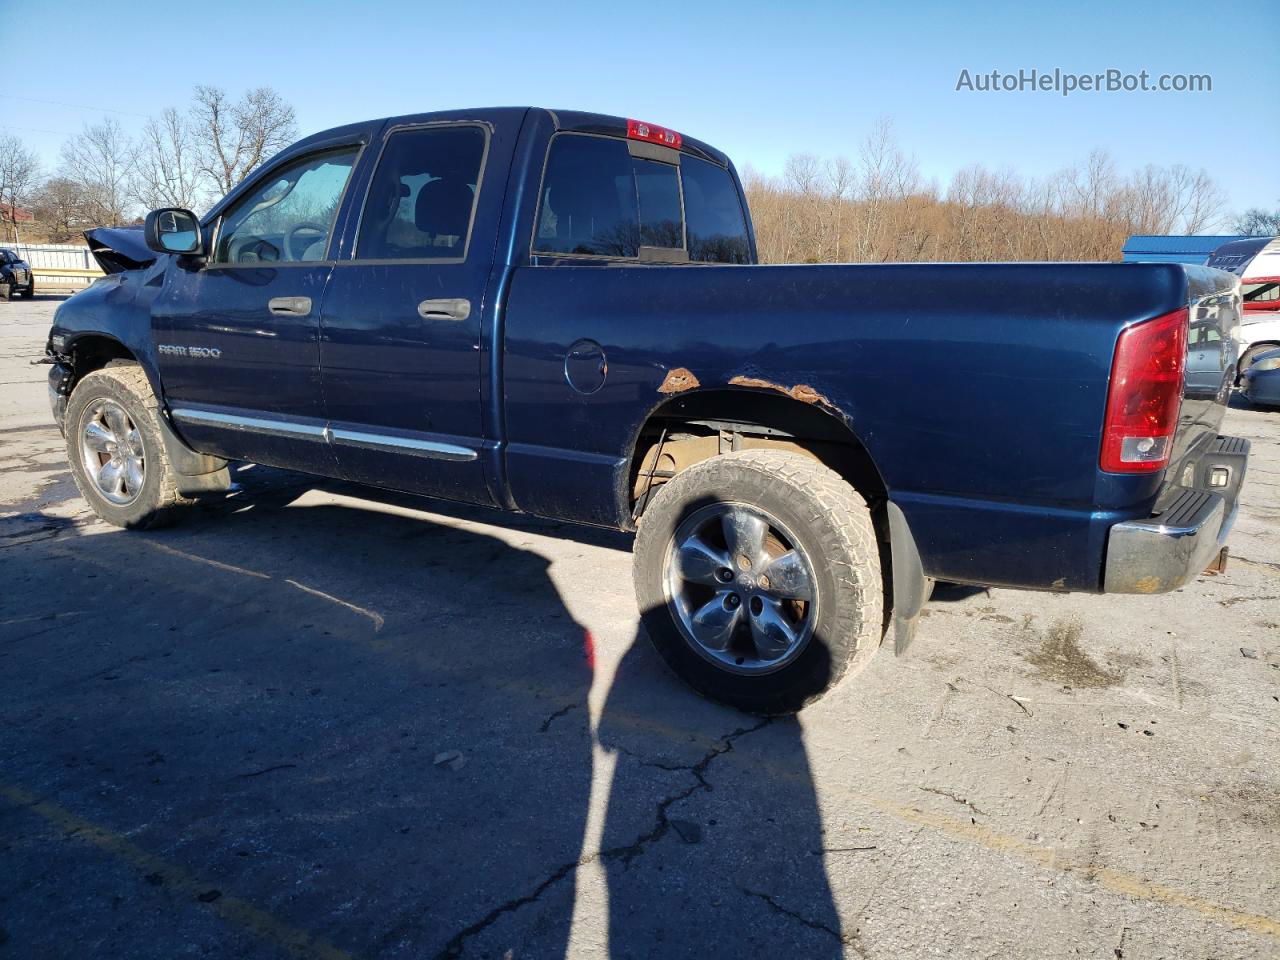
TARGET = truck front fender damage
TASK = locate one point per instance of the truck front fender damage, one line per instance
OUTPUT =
(118, 249)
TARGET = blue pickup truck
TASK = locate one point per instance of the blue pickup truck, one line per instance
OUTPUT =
(561, 313)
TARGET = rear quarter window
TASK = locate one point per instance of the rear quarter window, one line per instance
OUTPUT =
(714, 221)
(599, 200)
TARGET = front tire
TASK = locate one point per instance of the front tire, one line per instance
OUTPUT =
(758, 577)
(117, 455)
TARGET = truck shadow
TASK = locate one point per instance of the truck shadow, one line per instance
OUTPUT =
(374, 729)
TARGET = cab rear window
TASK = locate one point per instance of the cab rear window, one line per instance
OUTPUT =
(599, 200)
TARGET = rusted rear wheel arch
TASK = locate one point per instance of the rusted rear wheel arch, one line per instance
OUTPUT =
(761, 420)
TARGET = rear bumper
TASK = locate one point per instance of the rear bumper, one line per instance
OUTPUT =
(1171, 548)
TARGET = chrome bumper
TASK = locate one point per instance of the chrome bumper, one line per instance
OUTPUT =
(1172, 548)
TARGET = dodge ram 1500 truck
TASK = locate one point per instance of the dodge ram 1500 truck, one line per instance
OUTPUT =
(561, 313)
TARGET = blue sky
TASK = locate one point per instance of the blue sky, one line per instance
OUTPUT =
(760, 80)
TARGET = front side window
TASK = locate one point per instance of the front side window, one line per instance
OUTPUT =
(421, 199)
(288, 217)
(716, 226)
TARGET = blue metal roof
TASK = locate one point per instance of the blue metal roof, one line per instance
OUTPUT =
(1157, 249)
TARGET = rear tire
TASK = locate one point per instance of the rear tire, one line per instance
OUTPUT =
(29, 293)
(819, 574)
(115, 449)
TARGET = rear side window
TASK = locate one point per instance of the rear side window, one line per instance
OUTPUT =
(598, 200)
(1268, 292)
(715, 224)
(421, 199)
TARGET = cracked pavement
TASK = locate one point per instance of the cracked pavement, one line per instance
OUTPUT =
(317, 721)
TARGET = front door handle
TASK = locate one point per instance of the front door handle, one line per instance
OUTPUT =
(458, 309)
(289, 306)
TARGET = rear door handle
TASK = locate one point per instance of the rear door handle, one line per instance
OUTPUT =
(458, 309)
(289, 306)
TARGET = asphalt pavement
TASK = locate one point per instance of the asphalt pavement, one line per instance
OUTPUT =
(316, 720)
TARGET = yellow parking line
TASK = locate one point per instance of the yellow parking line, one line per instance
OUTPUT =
(1110, 879)
(232, 909)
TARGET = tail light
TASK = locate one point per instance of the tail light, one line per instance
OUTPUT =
(1145, 395)
(638, 130)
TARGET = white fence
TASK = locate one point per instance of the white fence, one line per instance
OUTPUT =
(58, 266)
(65, 256)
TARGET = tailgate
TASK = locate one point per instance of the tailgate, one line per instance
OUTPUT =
(1212, 348)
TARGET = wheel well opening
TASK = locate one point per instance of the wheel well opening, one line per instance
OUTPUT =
(93, 353)
(689, 429)
(1262, 346)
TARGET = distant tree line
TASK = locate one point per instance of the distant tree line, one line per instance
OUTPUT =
(878, 208)
(180, 158)
(875, 207)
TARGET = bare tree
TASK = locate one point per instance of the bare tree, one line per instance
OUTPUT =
(879, 209)
(59, 206)
(19, 172)
(1256, 222)
(100, 162)
(233, 137)
(168, 174)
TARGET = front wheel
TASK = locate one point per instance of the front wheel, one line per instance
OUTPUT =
(115, 449)
(758, 576)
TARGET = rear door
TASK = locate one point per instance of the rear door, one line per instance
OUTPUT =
(238, 336)
(400, 332)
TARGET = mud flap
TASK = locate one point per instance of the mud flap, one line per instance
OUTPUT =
(911, 588)
(194, 472)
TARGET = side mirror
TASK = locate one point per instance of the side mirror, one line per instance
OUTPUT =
(173, 230)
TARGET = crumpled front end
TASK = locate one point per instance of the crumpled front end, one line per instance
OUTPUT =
(118, 249)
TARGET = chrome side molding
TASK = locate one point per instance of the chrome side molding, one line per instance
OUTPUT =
(418, 448)
(431, 449)
(271, 426)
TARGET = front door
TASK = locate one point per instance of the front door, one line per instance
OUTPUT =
(400, 332)
(237, 338)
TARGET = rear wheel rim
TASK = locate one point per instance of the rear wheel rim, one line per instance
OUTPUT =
(741, 588)
(112, 452)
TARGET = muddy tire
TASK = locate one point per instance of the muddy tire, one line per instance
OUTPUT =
(115, 449)
(758, 577)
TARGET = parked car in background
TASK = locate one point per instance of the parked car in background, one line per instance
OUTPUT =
(15, 276)
(1257, 262)
(1261, 382)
